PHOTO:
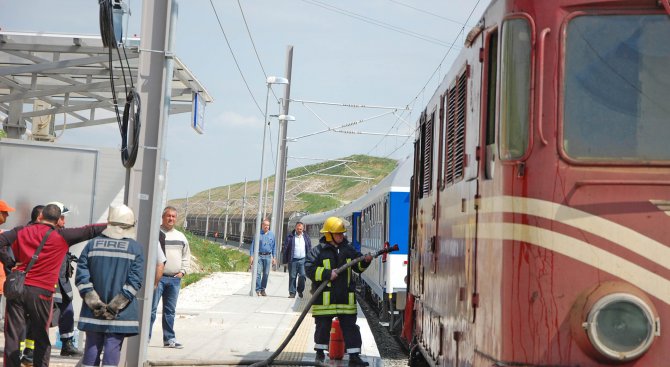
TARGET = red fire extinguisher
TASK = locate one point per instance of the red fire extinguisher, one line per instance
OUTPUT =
(336, 346)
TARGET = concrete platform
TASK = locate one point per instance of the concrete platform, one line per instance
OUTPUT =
(237, 328)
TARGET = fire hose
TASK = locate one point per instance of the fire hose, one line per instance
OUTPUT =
(311, 301)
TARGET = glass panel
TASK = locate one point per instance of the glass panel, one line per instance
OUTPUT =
(492, 80)
(616, 88)
(623, 326)
(515, 92)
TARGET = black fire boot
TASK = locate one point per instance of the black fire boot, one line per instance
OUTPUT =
(356, 361)
(320, 356)
(27, 357)
(68, 349)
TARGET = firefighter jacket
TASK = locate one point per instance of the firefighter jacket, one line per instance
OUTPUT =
(338, 298)
(63, 286)
(110, 266)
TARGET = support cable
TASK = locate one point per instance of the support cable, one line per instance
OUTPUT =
(131, 112)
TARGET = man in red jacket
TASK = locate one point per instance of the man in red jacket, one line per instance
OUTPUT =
(37, 299)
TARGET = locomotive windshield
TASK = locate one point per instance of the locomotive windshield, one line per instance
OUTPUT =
(617, 88)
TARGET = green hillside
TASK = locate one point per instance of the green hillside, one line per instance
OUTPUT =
(312, 188)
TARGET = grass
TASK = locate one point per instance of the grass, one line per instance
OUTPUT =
(318, 203)
(211, 258)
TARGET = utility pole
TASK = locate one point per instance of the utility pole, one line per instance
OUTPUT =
(186, 213)
(209, 203)
(225, 226)
(280, 173)
(147, 178)
(265, 199)
(244, 205)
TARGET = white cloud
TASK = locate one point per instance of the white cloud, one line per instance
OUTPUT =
(234, 119)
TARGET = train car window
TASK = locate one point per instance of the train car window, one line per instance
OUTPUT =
(515, 88)
(490, 109)
(358, 227)
(455, 130)
(616, 86)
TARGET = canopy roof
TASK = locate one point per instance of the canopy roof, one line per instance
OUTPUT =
(70, 74)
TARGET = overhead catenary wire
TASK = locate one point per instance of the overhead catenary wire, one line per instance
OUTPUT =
(338, 128)
(427, 12)
(304, 101)
(439, 66)
(253, 44)
(378, 23)
(237, 64)
(399, 118)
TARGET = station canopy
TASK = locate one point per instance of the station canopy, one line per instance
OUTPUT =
(69, 76)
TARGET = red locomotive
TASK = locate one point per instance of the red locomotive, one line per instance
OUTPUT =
(540, 200)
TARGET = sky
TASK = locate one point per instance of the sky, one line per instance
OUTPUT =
(390, 53)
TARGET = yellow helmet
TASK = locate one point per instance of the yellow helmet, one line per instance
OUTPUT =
(332, 225)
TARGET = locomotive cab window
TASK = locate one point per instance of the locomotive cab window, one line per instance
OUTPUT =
(615, 106)
(515, 88)
(490, 108)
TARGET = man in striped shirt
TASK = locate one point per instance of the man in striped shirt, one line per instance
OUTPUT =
(178, 254)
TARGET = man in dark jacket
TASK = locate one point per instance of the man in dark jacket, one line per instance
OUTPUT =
(295, 249)
(338, 298)
(63, 296)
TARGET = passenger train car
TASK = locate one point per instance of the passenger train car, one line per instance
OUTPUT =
(540, 198)
(377, 219)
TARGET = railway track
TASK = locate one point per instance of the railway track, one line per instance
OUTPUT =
(391, 350)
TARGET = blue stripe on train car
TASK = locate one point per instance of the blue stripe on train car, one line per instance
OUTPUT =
(399, 223)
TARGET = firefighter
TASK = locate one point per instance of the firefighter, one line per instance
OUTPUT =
(338, 298)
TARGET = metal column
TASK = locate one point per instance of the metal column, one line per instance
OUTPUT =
(280, 173)
(147, 180)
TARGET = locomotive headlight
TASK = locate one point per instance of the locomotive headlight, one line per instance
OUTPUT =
(621, 326)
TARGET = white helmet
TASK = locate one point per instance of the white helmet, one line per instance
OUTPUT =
(120, 223)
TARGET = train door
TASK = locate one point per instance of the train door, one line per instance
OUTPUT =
(356, 230)
(487, 161)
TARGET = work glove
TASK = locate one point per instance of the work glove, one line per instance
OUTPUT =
(69, 270)
(92, 300)
(118, 303)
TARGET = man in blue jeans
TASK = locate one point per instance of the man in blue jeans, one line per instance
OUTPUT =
(178, 254)
(294, 250)
(266, 257)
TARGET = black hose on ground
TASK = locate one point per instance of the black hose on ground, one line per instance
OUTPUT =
(271, 360)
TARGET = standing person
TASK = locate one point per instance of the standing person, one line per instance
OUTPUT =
(28, 343)
(266, 257)
(5, 209)
(4, 213)
(338, 298)
(160, 259)
(63, 295)
(110, 312)
(295, 248)
(178, 254)
(37, 301)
